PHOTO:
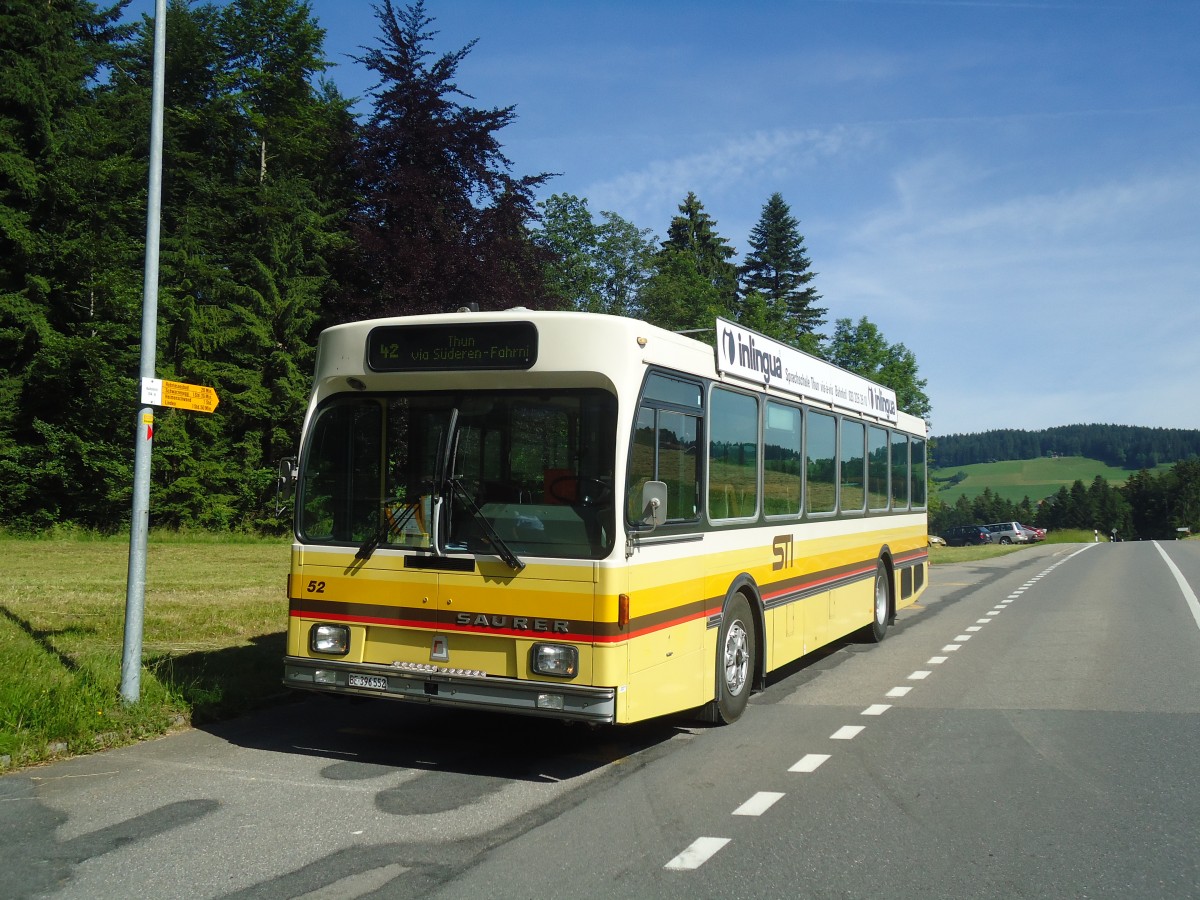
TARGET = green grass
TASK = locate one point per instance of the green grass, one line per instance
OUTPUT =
(1033, 478)
(940, 555)
(213, 638)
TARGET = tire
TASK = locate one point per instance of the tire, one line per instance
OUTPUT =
(881, 603)
(1006, 540)
(736, 660)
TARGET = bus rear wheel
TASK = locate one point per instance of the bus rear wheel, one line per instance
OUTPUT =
(736, 660)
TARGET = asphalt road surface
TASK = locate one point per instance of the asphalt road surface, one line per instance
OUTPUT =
(1032, 729)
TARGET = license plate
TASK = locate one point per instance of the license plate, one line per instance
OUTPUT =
(369, 681)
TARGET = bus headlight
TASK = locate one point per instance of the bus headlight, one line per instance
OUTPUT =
(331, 639)
(559, 660)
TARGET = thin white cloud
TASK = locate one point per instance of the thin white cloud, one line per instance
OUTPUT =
(652, 192)
(1035, 309)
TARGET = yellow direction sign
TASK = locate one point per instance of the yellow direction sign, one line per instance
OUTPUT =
(156, 392)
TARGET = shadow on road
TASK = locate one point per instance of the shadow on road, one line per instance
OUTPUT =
(364, 738)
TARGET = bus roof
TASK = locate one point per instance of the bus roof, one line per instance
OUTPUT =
(599, 350)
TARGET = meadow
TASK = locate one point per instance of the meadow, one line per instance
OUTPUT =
(1016, 479)
(213, 639)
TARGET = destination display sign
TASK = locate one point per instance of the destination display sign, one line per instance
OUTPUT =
(453, 346)
(755, 357)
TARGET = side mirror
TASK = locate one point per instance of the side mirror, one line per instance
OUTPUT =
(654, 503)
(285, 482)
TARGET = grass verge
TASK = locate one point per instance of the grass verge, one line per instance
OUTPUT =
(988, 551)
(212, 645)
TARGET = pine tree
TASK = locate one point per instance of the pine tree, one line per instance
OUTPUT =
(441, 223)
(254, 220)
(694, 232)
(67, 302)
(693, 280)
(777, 269)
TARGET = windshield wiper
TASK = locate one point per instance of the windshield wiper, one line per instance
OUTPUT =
(389, 527)
(502, 549)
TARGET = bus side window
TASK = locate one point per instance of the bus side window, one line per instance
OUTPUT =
(677, 463)
(664, 449)
(877, 468)
(918, 473)
(642, 466)
(899, 471)
(853, 470)
(820, 447)
(732, 455)
(782, 452)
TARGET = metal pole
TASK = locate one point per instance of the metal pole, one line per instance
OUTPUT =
(135, 592)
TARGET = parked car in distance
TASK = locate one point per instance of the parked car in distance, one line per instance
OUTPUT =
(1034, 534)
(1007, 533)
(967, 535)
(936, 541)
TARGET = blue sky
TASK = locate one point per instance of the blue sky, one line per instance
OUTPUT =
(1009, 189)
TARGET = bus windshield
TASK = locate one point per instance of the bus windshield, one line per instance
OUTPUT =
(489, 472)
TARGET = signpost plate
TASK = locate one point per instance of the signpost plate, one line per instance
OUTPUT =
(176, 394)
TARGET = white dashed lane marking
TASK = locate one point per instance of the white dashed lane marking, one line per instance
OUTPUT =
(758, 804)
(810, 762)
(698, 853)
(847, 733)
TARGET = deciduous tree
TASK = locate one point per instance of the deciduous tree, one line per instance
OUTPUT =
(593, 266)
(861, 348)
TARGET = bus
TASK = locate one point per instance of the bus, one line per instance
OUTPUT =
(590, 518)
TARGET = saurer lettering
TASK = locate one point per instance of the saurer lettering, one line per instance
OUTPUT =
(516, 623)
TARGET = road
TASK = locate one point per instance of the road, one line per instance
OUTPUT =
(1032, 729)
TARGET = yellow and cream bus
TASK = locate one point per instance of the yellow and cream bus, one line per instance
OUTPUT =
(588, 517)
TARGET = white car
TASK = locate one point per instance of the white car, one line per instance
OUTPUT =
(1008, 533)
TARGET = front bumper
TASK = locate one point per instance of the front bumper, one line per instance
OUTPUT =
(441, 688)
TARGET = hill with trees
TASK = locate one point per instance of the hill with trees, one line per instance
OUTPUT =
(1149, 506)
(1121, 446)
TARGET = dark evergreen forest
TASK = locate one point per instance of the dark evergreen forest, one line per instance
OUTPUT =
(1122, 446)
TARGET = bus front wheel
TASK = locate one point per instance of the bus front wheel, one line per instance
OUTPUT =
(735, 660)
(881, 600)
